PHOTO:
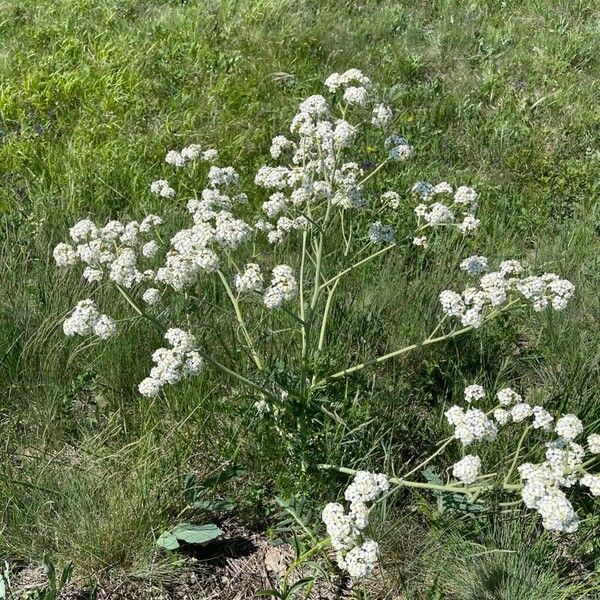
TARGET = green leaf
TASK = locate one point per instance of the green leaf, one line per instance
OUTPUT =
(196, 534)
(50, 571)
(67, 572)
(301, 584)
(222, 476)
(167, 541)
(214, 505)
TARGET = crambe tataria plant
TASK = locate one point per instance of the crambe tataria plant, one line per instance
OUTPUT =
(318, 195)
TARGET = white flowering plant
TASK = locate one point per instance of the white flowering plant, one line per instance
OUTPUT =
(320, 202)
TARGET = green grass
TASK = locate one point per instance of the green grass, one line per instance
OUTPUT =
(498, 95)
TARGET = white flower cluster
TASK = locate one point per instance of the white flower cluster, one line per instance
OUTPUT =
(352, 76)
(316, 170)
(542, 483)
(151, 296)
(112, 251)
(382, 115)
(355, 555)
(541, 491)
(86, 320)
(475, 265)
(251, 280)
(495, 290)
(594, 443)
(467, 469)
(161, 187)
(398, 148)
(172, 364)
(513, 409)
(381, 234)
(441, 206)
(474, 392)
(471, 425)
(192, 152)
(283, 287)
(193, 250)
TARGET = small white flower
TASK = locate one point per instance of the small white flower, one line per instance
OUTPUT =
(104, 327)
(162, 188)
(592, 482)
(568, 427)
(508, 396)
(557, 512)
(469, 224)
(521, 411)
(511, 267)
(442, 188)
(465, 195)
(474, 392)
(398, 148)
(251, 280)
(381, 234)
(475, 265)
(593, 442)
(391, 199)
(174, 158)
(92, 275)
(382, 115)
(279, 145)
(283, 287)
(502, 416)
(223, 176)
(151, 296)
(467, 469)
(356, 95)
(150, 249)
(423, 189)
(149, 387)
(86, 320)
(83, 231)
(64, 255)
(542, 419)
(191, 152)
(210, 155)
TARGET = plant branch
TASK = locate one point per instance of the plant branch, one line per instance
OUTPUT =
(240, 318)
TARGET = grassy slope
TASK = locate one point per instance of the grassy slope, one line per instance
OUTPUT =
(497, 95)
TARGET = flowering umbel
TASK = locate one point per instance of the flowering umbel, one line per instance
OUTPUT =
(542, 487)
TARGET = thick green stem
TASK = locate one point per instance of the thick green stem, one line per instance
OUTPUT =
(428, 486)
(430, 340)
(517, 453)
(380, 359)
(302, 558)
(240, 318)
(326, 316)
(317, 287)
(409, 484)
(358, 264)
(301, 292)
(428, 460)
